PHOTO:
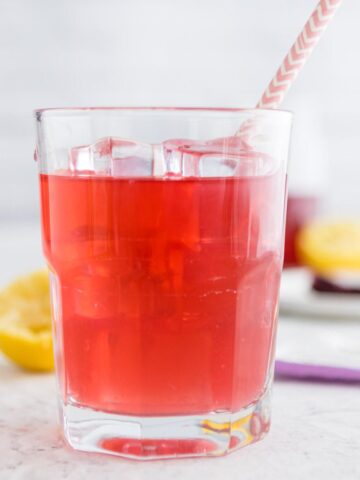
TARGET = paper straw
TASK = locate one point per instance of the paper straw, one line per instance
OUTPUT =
(298, 54)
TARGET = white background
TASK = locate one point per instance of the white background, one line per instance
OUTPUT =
(177, 52)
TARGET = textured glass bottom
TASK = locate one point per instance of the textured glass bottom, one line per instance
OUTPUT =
(146, 438)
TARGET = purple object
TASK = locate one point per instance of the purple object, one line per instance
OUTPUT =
(321, 284)
(307, 371)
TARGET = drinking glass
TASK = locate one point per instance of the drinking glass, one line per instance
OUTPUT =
(163, 233)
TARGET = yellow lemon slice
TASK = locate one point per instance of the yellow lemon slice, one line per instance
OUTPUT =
(329, 247)
(25, 324)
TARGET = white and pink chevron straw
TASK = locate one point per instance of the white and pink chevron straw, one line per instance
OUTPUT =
(298, 54)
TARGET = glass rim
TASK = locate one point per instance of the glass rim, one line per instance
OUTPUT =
(63, 111)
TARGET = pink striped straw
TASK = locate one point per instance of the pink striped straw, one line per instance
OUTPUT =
(298, 54)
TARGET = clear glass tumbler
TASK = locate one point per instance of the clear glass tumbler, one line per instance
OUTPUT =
(163, 233)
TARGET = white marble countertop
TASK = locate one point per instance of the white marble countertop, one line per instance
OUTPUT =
(315, 430)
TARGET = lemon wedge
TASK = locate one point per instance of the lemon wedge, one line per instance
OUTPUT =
(25, 324)
(330, 247)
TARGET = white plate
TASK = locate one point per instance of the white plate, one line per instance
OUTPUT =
(296, 297)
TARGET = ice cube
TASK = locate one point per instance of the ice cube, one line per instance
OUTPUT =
(178, 160)
(113, 156)
(91, 159)
(226, 157)
(159, 162)
(91, 289)
(81, 160)
(220, 157)
(231, 156)
(233, 165)
(131, 159)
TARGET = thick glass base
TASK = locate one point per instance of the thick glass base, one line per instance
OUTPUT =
(146, 438)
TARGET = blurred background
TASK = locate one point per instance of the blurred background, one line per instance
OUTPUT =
(184, 53)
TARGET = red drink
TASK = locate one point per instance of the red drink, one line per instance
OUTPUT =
(168, 289)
